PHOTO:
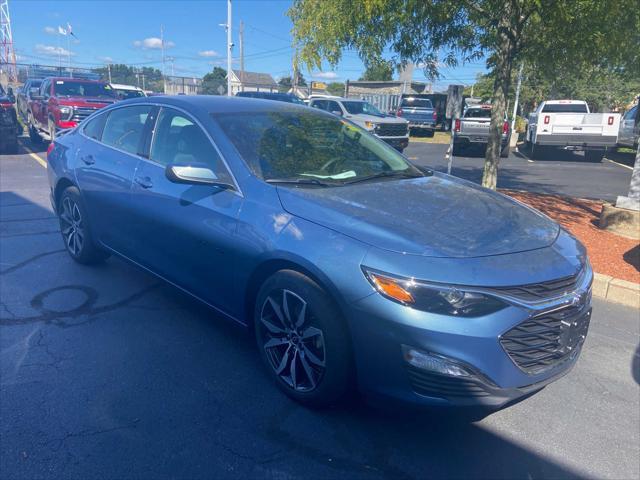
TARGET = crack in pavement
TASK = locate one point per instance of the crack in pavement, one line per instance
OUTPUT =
(50, 217)
(17, 266)
(86, 309)
(46, 232)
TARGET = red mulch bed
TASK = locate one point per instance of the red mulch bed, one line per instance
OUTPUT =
(609, 253)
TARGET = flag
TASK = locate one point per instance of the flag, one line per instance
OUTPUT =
(70, 31)
(61, 30)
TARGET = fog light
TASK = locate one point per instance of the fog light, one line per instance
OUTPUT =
(433, 363)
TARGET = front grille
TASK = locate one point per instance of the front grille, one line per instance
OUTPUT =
(80, 113)
(548, 339)
(392, 129)
(441, 386)
(542, 291)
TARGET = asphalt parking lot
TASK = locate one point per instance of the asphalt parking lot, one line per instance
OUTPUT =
(562, 172)
(108, 373)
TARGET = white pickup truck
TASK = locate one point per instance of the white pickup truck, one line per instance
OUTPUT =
(568, 123)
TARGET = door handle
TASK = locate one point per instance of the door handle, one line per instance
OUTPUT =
(144, 182)
(88, 159)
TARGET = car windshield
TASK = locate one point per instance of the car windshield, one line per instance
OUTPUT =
(126, 94)
(564, 108)
(66, 88)
(478, 113)
(357, 108)
(311, 148)
(417, 102)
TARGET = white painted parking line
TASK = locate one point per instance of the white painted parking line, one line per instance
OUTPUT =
(619, 164)
(36, 157)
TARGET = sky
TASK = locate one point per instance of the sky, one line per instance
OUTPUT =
(129, 32)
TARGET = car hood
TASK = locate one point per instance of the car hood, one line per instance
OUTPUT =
(435, 216)
(373, 118)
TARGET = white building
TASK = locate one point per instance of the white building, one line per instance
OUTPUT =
(252, 82)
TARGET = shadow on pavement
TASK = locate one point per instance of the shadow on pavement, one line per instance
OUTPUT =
(632, 257)
(158, 386)
(625, 158)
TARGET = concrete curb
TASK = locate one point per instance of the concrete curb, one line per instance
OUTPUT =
(616, 290)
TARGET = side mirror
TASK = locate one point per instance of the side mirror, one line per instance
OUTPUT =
(194, 176)
(10, 95)
(337, 112)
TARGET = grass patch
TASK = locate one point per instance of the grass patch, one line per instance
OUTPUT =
(626, 150)
(438, 137)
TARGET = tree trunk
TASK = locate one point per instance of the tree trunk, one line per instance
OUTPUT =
(504, 64)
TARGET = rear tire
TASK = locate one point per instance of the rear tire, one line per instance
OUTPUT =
(302, 339)
(75, 229)
(504, 153)
(457, 150)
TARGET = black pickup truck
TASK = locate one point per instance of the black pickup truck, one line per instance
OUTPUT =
(9, 126)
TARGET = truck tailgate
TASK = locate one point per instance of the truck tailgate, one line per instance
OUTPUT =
(474, 127)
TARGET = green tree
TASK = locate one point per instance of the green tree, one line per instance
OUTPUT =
(544, 34)
(378, 71)
(215, 82)
(336, 88)
(286, 83)
(124, 74)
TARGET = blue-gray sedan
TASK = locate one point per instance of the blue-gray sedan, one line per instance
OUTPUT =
(353, 267)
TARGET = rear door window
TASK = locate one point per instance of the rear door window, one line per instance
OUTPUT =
(564, 108)
(93, 128)
(124, 128)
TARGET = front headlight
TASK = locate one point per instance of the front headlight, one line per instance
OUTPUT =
(370, 125)
(433, 298)
(66, 113)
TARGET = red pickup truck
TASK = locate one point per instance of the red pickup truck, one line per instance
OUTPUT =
(64, 102)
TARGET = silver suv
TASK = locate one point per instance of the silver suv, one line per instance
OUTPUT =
(393, 130)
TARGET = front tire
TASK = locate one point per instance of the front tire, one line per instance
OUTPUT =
(302, 339)
(74, 226)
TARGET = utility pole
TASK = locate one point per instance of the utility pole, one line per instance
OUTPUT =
(164, 80)
(515, 105)
(229, 48)
(241, 34)
(7, 53)
(109, 70)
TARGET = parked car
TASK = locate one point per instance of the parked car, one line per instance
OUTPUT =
(569, 123)
(9, 126)
(472, 130)
(31, 85)
(630, 128)
(393, 130)
(351, 266)
(125, 92)
(420, 114)
(64, 102)
(280, 97)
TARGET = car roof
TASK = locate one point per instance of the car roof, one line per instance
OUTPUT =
(125, 87)
(72, 79)
(205, 104)
(574, 102)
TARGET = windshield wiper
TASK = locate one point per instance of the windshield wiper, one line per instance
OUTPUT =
(301, 181)
(388, 174)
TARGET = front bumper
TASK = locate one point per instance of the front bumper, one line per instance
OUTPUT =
(498, 374)
(422, 124)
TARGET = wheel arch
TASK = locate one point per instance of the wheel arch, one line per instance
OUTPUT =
(269, 267)
(60, 187)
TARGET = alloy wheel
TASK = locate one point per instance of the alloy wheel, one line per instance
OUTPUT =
(71, 226)
(293, 345)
